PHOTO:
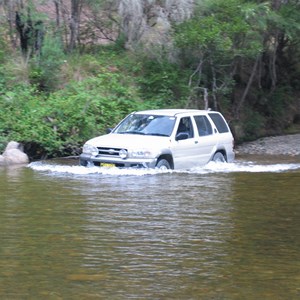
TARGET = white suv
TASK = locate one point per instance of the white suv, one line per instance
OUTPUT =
(165, 138)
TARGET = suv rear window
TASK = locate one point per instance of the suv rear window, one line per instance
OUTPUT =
(203, 125)
(219, 122)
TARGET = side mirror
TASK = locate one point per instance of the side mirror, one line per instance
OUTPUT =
(182, 136)
(109, 130)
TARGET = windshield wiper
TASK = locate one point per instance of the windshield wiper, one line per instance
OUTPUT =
(157, 134)
(132, 132)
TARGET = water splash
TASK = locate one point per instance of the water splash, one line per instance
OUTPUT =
(210, 168)
(79, 170)
(246, 167)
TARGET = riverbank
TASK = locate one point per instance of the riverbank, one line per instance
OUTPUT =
(274, 145)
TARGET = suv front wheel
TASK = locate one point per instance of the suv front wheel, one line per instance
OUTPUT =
(83, 163)
(163, 164)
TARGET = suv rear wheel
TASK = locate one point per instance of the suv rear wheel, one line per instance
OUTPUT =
(219, 157)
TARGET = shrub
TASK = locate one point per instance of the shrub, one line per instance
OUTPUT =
(59, 122)
(21, 116)
(87, 108)
(163, 82)
(45, 71)
(254, 125)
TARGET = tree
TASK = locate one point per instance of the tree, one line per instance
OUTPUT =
(213, 43)
(76, 6)
(9, 10)
(101, 24)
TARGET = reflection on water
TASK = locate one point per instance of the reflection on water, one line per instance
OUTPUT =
(222, 232)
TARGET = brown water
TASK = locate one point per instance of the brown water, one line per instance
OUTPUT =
(222, 232)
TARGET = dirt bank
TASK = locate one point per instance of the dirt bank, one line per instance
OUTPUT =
(274, 145)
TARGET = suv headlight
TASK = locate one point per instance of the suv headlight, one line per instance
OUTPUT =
(141, 153)
(89, 149)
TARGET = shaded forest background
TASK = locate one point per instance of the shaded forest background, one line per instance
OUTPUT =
(69, 69)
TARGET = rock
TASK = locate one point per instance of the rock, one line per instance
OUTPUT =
(275, 145)
(12, 145)
(13, 154)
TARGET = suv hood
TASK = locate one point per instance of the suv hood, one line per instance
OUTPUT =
(129, 141)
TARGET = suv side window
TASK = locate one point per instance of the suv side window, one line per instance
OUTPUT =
(203, 125)
(186, 126)
(219, 122)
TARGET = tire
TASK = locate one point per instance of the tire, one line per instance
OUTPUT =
(219, 157)
(163, 164)
(82, 162)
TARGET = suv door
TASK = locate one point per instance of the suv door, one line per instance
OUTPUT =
(206, 145)
(185, 145)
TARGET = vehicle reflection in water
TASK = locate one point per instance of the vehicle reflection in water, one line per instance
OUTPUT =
(222, 232)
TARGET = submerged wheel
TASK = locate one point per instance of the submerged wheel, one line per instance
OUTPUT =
(83, 163)
(163, 164)
(219, 157)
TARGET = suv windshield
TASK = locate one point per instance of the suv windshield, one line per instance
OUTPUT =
(146, 125)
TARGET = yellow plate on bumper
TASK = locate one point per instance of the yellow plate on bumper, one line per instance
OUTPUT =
(108, 165)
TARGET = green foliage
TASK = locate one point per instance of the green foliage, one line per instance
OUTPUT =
(277, 108)
(120, 42)
(13, 69)
(2, 50)
(3, 141)
(21, 116)
(2, 58)
(220, 44)
(162, 82)
(46, 68)
(254, 125)
(287, 19)
(62, 121)
(83, 110)
(241, 25)
(224, 29)
(210, 43)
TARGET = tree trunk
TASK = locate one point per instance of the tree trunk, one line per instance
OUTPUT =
(74, 23)
(57, 4)
(214, 84)
(241, 103)
(10, 11)
(194, 90)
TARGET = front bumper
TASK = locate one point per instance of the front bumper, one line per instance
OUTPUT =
(89, 160)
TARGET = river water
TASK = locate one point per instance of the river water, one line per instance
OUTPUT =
(226, 231)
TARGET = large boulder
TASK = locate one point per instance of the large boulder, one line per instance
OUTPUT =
(13, 154)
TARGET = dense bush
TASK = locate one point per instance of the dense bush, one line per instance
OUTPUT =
(21, 114)
(164, 82)
(96, 92)
(59, 123)
(45, 68)
(85, 109)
